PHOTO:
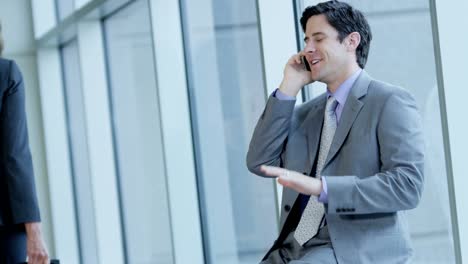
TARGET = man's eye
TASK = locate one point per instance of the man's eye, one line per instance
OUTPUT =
(319, 40)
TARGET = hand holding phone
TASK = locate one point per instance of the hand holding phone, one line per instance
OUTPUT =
(306, 63)
(296, 74)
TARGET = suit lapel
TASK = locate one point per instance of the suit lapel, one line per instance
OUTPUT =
(351, 110)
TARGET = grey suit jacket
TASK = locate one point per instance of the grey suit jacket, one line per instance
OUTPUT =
(374, 170)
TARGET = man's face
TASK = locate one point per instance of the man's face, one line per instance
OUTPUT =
(328, 58)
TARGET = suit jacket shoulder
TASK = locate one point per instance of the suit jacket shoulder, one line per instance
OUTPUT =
(10, 75)
(4, 73)
(4, 63)
(382, 91)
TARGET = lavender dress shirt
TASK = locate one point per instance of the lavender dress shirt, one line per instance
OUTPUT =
(341, 94)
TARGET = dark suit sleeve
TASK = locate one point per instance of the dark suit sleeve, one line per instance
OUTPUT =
(16, 157)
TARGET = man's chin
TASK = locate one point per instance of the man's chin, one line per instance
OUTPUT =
(315, 77)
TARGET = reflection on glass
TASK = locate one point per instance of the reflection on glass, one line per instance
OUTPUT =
(227, 96)
(137, 135)
(79, 153)
(64, 8)
(405, 57)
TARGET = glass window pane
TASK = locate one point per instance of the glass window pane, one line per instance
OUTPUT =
(405, 56)
(64, 8)
(137, 135)
(79, 153)
(227, 95)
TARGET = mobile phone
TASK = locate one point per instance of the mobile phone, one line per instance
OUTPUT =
(306, 63)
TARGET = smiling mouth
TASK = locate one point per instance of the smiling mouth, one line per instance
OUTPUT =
(315, 62)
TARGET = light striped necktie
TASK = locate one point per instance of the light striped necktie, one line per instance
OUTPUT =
(313, 213)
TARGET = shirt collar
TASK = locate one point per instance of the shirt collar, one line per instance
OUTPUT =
(341, 93)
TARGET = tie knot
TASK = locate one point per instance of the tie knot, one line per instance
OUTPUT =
(331, 104)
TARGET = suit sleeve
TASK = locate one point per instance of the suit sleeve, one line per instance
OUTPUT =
(16, 156)
(399, 184)
(270, 135)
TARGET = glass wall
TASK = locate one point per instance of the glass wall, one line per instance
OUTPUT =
(137, 135)
(227, 95)
(404, 56)
(76, 125)
(64, 8)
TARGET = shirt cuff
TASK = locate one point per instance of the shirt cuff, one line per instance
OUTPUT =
(323, 198)
(281, 96)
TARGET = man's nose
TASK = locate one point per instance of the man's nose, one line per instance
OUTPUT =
(309, 47)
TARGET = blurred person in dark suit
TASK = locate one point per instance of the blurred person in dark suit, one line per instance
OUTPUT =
(20, 232)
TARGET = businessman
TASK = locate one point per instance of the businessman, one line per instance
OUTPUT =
(20, 232)
(351, 160)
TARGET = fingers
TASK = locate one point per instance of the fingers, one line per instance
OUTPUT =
(296, 58)
(273, 171)
(294, 180)
(38, 258)
(301, 183)
(287, 178)
(36, 249)
(38, 255)
(298, 182)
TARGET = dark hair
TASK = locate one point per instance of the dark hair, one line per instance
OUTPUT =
(1, 39)
(345, 19)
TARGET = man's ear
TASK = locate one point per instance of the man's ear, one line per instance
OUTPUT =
(353, 40)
